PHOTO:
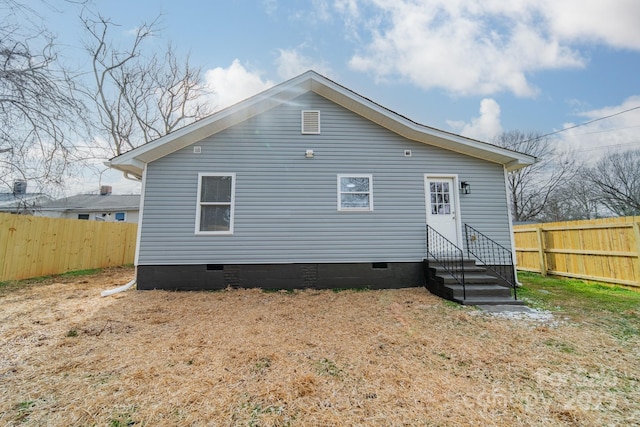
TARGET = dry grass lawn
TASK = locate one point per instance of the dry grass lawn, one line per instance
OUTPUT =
(69, 357)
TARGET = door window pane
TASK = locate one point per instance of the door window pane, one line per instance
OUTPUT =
(440, 198)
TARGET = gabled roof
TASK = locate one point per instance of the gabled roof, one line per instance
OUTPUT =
(93, 203)
(133, 161)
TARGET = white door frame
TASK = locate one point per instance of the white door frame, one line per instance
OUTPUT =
(455, 193)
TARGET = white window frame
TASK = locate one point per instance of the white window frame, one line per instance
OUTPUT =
(340, 192)
(302, 121)
(199, 204)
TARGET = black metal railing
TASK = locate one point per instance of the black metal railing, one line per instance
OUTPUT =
(448, 255)
(491, 255)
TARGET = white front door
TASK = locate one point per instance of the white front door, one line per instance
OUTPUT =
(442, 207)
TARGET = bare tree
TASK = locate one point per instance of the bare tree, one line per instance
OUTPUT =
(573, 200)
(138, 98)
(616, 181)
(531, 188)
(37, 103)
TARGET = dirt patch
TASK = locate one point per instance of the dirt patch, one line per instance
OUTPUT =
(320, 358)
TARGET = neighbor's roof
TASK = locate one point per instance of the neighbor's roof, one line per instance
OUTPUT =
(94, 202)
(11, 200)
(133, 161)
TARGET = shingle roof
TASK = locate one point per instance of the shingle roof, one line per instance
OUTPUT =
(10, 200)
(95, 202)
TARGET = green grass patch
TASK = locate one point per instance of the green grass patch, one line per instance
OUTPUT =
(17, 284)
(614, 306)
(456, 305)
(571, 293)
(325, 366)
(78, 273)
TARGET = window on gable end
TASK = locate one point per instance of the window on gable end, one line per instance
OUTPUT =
(310, 121)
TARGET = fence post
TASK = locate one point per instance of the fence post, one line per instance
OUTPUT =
(636, 231)
(541, 254)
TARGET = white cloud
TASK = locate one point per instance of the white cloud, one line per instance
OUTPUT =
(234, 84)
(473, 47)
(617, 133)
(612, 22)
(321, 10)
(485, 127)
(291, 63)
(270, 7)
(351, 13)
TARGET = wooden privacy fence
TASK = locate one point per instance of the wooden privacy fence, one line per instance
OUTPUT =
(37, 246)
(604, 250)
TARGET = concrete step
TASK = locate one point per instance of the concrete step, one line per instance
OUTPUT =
(470, 279)
(488, 301)
(480, 288)
(467, 268)
(485, 290)
(466, 261)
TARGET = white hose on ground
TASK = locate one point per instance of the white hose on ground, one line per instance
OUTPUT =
(118, 289)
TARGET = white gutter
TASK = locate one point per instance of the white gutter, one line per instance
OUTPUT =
(118, 289)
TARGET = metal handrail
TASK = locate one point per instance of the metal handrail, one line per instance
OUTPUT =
(448, 255)
(491, 255)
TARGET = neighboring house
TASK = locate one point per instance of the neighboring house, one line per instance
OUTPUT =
(19, 201)
(24, 204)
(309, 184)
(94, 207)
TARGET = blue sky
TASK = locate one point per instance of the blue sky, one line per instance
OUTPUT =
(475, 67)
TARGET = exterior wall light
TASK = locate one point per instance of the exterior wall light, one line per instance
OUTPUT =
(465, 187)
(309, 154)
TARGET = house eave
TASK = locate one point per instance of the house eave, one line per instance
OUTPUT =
(133, 161)
(417, 132)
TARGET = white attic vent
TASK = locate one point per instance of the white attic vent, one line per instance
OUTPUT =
(311, 121)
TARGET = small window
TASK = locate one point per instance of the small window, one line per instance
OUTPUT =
(355, 193)
(216, 198)
(440, 198)
(83, 216)
(119, 216)
(310, 122)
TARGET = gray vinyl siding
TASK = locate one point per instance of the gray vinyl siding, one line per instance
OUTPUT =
(286, 204)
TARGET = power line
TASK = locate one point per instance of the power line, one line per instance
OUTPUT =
(581, 124)
(604, 147)
(606, 130)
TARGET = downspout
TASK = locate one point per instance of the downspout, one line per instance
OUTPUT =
(512, 237)
(118, 289)
(131, 178)
(132, 282)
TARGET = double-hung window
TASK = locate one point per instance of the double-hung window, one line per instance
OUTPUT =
(355, 193)
(216, 200)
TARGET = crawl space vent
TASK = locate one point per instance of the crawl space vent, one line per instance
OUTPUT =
(310, 121)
